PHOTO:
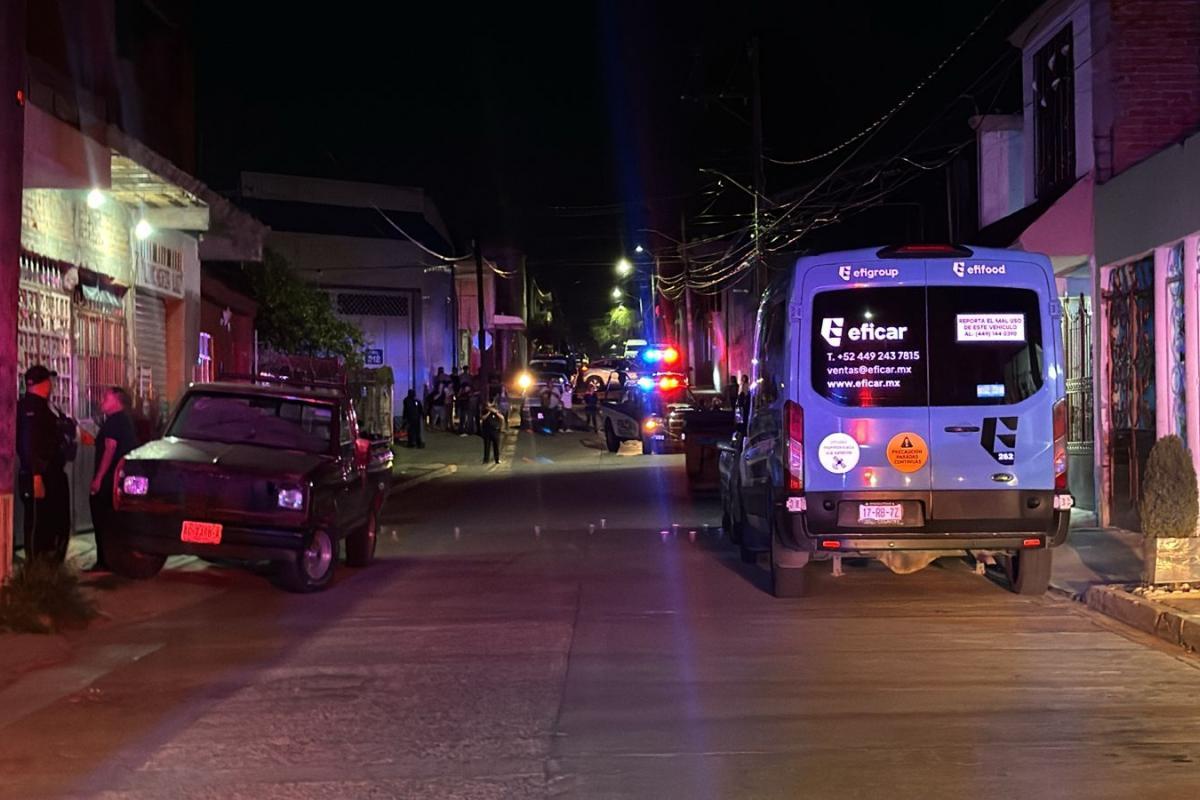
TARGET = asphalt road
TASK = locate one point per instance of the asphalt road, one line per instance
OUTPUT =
(510, 644)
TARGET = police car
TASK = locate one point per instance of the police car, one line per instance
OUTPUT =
(649, 410)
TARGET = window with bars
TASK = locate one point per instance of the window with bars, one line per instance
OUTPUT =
(374, 305)
(204, 362)
(1054, 114)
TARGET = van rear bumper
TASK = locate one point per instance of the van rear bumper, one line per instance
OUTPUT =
(966, 520)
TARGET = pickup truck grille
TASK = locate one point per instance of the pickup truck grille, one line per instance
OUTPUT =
(205, 493)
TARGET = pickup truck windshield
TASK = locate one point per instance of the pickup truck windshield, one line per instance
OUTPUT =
(281, 422)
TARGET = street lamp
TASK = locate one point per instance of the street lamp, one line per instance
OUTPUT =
(624, 268)
(616, 293)
(639, 249)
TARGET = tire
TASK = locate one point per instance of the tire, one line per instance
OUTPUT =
(595, 382)
(647, 448)
(360, 545)
(312, 569)
(129, 563)
(1029, 571)
(731, 528)
(610, 438)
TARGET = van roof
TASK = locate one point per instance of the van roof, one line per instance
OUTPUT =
(873, 254)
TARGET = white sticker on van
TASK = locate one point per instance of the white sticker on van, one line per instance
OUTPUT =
(834, 328)
(991, 327)
(838, 453)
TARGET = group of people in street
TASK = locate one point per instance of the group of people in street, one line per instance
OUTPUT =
(452, 404)
(46, 442)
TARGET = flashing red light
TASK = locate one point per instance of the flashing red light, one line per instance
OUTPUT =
(670, 355)
(1032, 543)
(668, 383)
(831, 544)
(20, 97)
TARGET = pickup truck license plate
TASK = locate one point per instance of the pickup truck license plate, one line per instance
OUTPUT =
(881, 512)
(201, 532)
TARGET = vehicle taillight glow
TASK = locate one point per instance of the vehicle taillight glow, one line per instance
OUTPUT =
(1060, 445)
(1032, 543)
(652, 424)
(135, 485)
(831, 544)
(795, 429)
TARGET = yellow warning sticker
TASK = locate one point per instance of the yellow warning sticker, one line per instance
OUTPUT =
(907, 452)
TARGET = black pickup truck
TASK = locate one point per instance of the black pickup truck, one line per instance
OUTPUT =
(253, 472)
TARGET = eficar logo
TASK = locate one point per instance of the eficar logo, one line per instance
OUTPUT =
(833, 329)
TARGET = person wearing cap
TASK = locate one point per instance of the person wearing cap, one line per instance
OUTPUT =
(42, 478)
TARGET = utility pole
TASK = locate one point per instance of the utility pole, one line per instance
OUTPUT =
(689, 351)
(12, 144)
(760, 282)
(484, 372)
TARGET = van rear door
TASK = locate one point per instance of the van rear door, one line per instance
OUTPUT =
(991, 396)
(865, 396)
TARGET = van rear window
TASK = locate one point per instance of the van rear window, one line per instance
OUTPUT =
(985, 344)
(868, 346)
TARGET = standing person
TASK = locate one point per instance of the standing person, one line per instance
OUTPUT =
(437, 408)
(42, 478)
(439, 379)
(556, 410)
(448, 405)
(413, 412)
(490, 427)
(743, 400)
(474, 402)
(592, 404)
(115, 439)
(461, 404)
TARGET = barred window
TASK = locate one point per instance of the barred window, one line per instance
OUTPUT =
(374, 305)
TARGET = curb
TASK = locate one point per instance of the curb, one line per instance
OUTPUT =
(440, 472)
(1157, 619)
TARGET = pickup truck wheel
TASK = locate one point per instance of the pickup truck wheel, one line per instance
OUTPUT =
(129, 563)
(360, 545)
(1029, 571)
(610, 438)
(312, 569)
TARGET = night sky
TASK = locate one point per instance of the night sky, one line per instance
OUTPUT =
(564, 128)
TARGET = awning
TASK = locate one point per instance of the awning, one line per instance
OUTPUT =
(1063, 229)
(503, 322)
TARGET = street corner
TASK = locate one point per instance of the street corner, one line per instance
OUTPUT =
(1169, 614)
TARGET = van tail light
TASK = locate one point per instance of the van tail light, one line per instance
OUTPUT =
(1060, 446)
(795, 449)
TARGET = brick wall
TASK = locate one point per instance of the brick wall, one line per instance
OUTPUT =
(1156, 76)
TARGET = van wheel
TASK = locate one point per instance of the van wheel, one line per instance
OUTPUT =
(610, 438)
(1029, 571)
(129, 563)
(311, 570)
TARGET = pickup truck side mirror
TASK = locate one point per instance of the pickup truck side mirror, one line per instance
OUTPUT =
(362, 452)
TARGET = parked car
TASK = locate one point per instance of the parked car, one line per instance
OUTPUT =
(604, 372)
(906, 403)
(254, 472)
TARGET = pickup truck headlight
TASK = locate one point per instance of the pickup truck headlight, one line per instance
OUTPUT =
(291, 498)
(136, 485)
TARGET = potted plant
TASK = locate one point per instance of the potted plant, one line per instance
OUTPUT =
(1169, 510)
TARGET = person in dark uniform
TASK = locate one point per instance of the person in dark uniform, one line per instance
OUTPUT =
(115, 439)
(592, 403)
(42, 479)
(413, 413)
(489, 429)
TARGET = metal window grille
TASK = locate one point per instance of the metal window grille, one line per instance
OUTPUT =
(1178, 371)
(204, 365)
(372, 305)
(100, 350)
(1077, 338)
(1054, 114)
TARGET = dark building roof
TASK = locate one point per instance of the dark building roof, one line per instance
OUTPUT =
(290, 216)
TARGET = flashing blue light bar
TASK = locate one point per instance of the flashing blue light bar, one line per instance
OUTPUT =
(652, 355)
(646, 384)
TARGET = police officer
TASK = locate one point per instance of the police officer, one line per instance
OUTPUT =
(489, 428)
(42, 479)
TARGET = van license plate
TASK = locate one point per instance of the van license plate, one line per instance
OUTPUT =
(201, 532)
(881, 512)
